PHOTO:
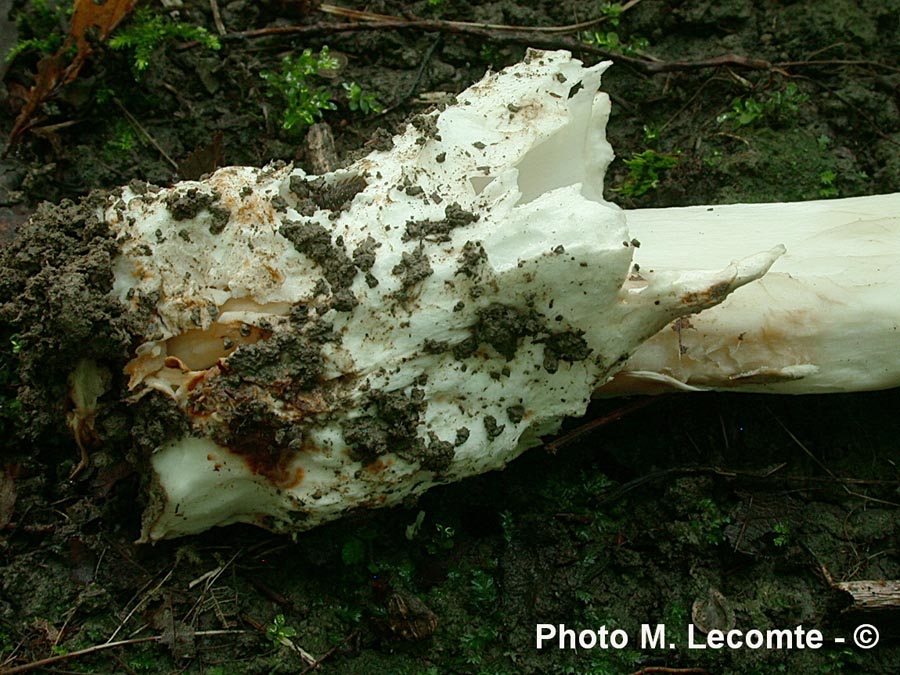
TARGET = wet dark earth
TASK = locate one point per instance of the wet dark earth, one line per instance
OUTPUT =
(722, 511)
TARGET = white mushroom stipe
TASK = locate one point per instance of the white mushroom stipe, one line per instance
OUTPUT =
(826, 317)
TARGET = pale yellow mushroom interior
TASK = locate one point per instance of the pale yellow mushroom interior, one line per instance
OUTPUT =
(171, 365)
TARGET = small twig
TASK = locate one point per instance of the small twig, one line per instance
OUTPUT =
(270, 593)
(837, 62)
(552, 37)
(360, 15)
(99, 648)
(138, 605)
(217, 17)
(690, 102)
(137, 125)
(664, 669)
(553, 446)
(529, 38)
(124, 666)
(81, 652)
(285, 641)
(849, 104)
(746, 521)
(420, 73)
(331, 651)
(837, 478)
(210, 579)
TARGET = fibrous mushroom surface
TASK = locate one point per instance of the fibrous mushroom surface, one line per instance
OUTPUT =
(824, 319)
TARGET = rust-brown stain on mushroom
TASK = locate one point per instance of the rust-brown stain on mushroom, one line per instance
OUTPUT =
(712, 295)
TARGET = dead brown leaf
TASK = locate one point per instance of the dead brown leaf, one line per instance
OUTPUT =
(88, 14)
(90, 21)
(204, 159)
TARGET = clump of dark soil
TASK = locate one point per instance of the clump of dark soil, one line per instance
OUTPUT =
(725, 511)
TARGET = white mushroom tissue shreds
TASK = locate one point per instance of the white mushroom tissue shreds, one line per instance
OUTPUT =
(425, 314)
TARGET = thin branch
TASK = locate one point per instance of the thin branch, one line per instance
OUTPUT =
(24, 668)
(663, 669)
(553, 446)
(360, 15)
(139, 604)
(331, 651)
(137, 125)
(545, 38)
(217, 17)
(837, 478)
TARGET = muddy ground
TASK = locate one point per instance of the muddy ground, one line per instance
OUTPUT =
(726, 510)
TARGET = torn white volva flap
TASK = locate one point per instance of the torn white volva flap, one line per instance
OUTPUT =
(826, 318)
(423, 315)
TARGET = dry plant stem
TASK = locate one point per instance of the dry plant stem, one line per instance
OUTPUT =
(664, 669)
(217, 17)
(838, 479)
(571, 28)
(139, 604)
(146, 134)
(311, 667)
(42, 663)
(547, 38)
(575, 434)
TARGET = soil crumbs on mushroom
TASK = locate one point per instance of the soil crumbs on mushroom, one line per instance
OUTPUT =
(697, 508)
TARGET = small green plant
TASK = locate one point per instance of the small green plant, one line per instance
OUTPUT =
(483, 590)
(508, 526)
(148, 30)
(295, 84)
(611, 41)
(6, 643)
(651, 134)
(645, 170)
(782, 534)
(827, 188)
(362, 101)
(279, 633)
(350, 615)
(837, 661)
(124, 140)
(145, 661)
(709, 522)
(441, 539)
(612, 11)
(779, 107)
(354, 552)
(44, 23)
(744, 112)
(488, 53)
(476, 641)
(10, 406)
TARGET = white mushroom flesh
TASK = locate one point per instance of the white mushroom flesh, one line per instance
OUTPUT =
(426, 314)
